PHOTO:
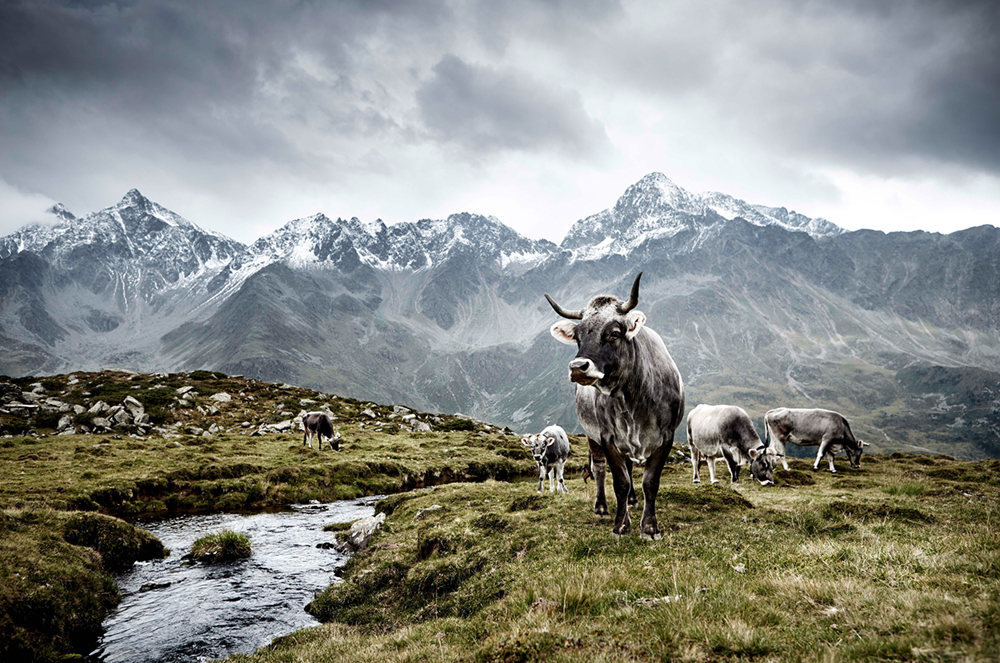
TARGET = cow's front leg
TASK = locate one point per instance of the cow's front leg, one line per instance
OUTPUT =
(552, 478)
(711, 469)
(598, 467)
(650, 488)
(559, 473)
(541, 477)
(734, 466)
(623, 484)
(696, 464)
(819, 455)
(833, 470)
(632, 498)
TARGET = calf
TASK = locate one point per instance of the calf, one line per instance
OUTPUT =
(813, 427)
(550, 449)
(321, 425)
(725, 431)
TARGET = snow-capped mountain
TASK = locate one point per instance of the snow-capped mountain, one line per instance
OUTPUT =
(655, 207)
(317, 240)
(758, 305)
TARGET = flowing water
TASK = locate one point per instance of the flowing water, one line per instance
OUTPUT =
(173, 610)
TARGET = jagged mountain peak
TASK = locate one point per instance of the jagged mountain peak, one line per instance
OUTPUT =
(60, 212)
(656, 206)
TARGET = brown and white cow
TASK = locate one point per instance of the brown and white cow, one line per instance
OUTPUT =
(321, 425)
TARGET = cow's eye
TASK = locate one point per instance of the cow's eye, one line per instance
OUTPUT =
(614, 334)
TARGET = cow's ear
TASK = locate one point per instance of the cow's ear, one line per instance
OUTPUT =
(524, 441)
(634, 320)
(549, 441)
(563, 331)
(754, 453)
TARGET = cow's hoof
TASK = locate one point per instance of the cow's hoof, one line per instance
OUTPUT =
(696, 481)
(714, 481)
(655, 536)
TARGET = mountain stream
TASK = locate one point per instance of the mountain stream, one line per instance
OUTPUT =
(173, 610)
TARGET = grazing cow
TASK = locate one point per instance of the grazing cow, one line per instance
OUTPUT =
(629, 398)
(550, 449)
(811, 427)
(725, 431)
(321, 425)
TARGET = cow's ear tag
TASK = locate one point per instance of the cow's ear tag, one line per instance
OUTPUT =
(563, 332)
(634, 320)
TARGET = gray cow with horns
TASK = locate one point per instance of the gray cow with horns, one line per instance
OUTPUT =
(629, 398)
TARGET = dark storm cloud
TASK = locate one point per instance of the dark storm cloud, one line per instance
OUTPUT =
(485, 109)
(883, 86)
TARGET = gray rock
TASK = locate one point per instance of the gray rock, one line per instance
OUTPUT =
(100, 422)
(143, 419)
(194, 430)
(368, 413)
(79, 409)
(67, 431)
(422, 427)
(221, 397)
(399, 409)
(55, 402)
(359, 536)
(183, 390)
(100, 407)
(305, 402)
(282, 426)
(133, 406)
(30, 397)
(65, 422)
(122, 417)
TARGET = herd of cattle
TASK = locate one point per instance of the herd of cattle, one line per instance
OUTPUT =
(630, 400)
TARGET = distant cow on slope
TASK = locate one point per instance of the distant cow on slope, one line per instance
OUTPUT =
(726, 431)
(321, 425)
(811, 427)
(550, 449)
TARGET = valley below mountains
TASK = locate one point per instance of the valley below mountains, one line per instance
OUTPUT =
(759, 306)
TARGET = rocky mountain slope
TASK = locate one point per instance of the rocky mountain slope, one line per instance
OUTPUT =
(760, 306)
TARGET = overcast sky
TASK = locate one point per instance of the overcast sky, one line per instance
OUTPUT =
(243, 115)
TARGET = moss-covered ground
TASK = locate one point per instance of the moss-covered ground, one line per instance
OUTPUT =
(896, 561)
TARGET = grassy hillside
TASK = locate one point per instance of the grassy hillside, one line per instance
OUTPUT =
(897, 561)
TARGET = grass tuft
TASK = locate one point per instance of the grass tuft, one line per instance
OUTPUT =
(224, 546)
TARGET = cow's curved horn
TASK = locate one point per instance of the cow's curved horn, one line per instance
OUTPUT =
(633, 298)
(572, 315)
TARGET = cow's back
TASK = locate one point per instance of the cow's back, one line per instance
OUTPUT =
(810, 424)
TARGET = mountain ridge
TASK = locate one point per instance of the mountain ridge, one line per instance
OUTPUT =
(448, 314)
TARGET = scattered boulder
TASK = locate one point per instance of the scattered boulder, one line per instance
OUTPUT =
(221, 397)
(368, 413)
(65, 422)
(134, 407)
(79, 409)
(359, 536)
(183, 390)
(100, 423)
(282, 426)
(100, 407)
(422, 427)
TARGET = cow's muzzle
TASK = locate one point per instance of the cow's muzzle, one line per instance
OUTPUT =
(583, 371)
